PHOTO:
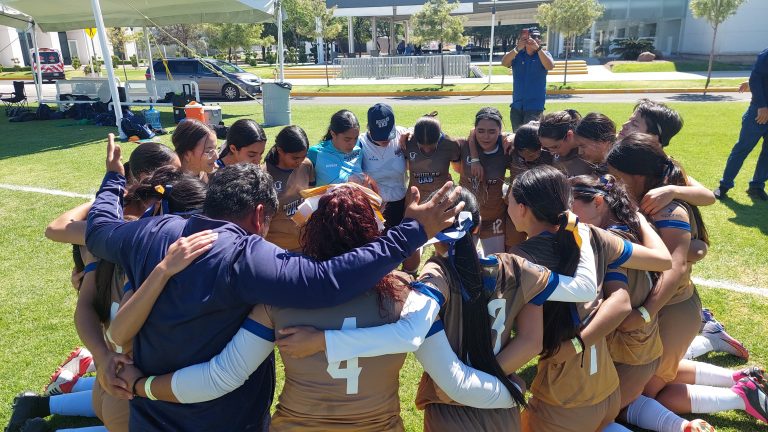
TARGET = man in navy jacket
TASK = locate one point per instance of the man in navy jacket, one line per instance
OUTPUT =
(754, 126)
(202, 307)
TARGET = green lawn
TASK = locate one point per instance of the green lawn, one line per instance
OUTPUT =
(37, 301)
(672, 66)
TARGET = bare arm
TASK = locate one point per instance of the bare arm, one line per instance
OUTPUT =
(527, 342)
(695, 194)
(678, 241)
(652, 255)
(70, 226)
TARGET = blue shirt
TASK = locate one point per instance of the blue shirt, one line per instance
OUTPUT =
(203, 306)
(529, 82)
(758, 81)
(333, 166)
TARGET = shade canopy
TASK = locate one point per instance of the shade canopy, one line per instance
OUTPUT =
(13, 18)
(58, 15)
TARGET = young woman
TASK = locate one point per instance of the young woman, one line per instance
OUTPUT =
(292, 172)
(148, 157)
(338, 156)
(641, 164)
(429, 154)
(245, 143)
(576, 387)
(103, 287)
(319, 393)
(653, 118)
(488, 189)
(195, 143)
(557, 135)
(636, 351)
(595, 135)
(383, 160)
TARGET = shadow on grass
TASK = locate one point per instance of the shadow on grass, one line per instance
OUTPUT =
(21, 139)
(749, 215)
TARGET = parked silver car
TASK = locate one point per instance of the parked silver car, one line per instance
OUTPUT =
(211, 84)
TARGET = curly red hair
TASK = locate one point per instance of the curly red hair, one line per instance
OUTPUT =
(344, 220)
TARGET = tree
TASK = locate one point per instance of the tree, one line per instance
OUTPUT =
(304, 16)
(118, 38)
(715, 12)
(361, 27)
(188, 37)
(569, 17)
(434, 22)
(229, 37)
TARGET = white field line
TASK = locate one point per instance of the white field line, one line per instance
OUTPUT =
(727, 285)
(44, 191)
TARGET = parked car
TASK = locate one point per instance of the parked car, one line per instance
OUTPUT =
(212, 84)
(52, 68)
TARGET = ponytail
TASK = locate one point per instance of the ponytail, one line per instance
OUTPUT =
(341, 121)
(623, 209)
(291, 139)
(556, 125)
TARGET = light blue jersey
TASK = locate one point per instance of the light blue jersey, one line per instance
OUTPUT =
(333, 166)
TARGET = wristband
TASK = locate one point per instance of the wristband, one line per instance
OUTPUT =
(474, 160)
(148, 388)
(644, 312)
(90, 267)
(577, 345)
(133, 387)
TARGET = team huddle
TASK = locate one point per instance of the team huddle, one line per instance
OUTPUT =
(564, 242)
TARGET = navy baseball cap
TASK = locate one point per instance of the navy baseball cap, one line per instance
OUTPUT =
(381, 122)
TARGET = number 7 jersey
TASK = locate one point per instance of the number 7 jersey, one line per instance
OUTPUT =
(360, 394)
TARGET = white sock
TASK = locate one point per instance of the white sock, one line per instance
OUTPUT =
(648, 414)
(707, 400)
(72, 404)
(715, 376)
(615, 427)
(699, 346)
(83, 384)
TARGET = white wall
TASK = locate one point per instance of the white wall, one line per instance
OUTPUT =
(8, 34)
(743, 33)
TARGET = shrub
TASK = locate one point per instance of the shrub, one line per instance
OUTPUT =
(292, 55)
(76, 63)
(271, 57)
(134, 61)
(630, 48)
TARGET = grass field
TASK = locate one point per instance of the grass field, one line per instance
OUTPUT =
(672, 66)
(37, 301)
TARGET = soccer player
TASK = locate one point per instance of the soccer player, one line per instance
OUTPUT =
(195, 144)
(292, 172)
(576, 387)
(557, 135)
(339, 155)
(246, 141)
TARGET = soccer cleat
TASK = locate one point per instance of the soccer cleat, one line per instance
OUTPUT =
(722, 341)
(36, 424)
(757, 193)
(698, 425)
(754, 372)
(78, 363)
(27, 405)
(721, 193)
(754, 396)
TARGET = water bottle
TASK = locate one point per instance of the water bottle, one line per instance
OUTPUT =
(152, 116)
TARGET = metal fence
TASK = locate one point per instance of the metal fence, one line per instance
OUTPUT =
(427, 66)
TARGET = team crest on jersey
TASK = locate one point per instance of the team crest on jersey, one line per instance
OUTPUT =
(412, 155)
(278, 185)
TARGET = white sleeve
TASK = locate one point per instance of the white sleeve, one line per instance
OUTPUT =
(405, 335)
(582, 287)
(223, 373)
(460, 382)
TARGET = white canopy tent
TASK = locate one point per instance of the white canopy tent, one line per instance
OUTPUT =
(54, 15)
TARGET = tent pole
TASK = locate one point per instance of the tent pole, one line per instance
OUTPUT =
(39, 72)
(151, 64)
(490, 52)
(280, 44)
(102, 33)
(350, 37)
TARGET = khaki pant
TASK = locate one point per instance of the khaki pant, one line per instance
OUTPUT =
(679, 323)
(111, 411)
(542, 417)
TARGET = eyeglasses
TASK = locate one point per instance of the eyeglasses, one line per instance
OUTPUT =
(210, 152)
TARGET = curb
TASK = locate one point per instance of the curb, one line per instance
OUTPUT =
(507, 93)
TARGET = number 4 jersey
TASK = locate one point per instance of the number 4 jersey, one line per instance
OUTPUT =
(360, 394)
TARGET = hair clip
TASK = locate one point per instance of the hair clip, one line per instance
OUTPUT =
(607, 183)
(160, 189)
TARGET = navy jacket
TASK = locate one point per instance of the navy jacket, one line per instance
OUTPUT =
(758, 80)
(202, 307)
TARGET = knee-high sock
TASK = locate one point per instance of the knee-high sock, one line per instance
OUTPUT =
(699, 346)
(615, 427)
(715, 376)
(73, 404)
(648, 414)
(707, 400)
(83, 384)
(85, 429)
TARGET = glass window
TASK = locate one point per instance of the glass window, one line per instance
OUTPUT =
(183, 67)
(227, 67)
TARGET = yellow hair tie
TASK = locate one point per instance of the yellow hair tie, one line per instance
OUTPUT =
(573, 226)
(159, 189)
